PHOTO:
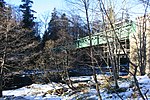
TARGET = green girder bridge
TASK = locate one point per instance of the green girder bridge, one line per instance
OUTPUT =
(122, 31)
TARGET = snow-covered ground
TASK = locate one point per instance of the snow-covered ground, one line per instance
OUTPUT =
(58, 91)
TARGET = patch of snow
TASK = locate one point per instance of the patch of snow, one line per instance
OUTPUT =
(39, 91)
(143, 79)
(81, 78)
(124, 85)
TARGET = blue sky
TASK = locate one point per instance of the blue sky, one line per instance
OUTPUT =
(41, 6)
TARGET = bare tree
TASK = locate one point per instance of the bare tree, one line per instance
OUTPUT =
(140, 44)
(44, 19)
(114, 45)
(141, 48)
(84, 5)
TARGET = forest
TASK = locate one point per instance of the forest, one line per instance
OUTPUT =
(96, 50)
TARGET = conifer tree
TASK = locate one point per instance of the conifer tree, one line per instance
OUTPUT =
(28, 17)
(2, 3)
(53, 28)
(54, 25)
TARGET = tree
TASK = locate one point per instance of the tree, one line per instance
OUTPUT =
(53, 26)
(112, 46)
(28, 17)
(18, 49)
(64, 21)
(56, 24)
(52, 29)
(140, 43)
(84, 6)
(7, 24)
(55, 41)
(3, 36)
(140, 49)
(77, 28)
(2, 3)
(44, 18)
(58, 30)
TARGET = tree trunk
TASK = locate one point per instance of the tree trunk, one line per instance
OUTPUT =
(86, 5)
(114, 67)
(1, 86)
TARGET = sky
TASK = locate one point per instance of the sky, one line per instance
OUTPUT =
(46, 6)
(42, 6)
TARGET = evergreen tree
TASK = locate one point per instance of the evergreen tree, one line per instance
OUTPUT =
(54, 26)
(77, 27)
(28, 17)
(58, 28)
(65, 23)
(18, 49)
(52, 30)
(2, 3)
(2, 49)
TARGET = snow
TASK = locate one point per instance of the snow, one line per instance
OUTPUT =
(143, 79)
(42, 91)
(124, 85)
(35, 91)
(81, 78)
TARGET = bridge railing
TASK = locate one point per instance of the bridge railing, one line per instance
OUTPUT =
(122, 32)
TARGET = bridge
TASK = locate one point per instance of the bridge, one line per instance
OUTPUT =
(121, 31)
